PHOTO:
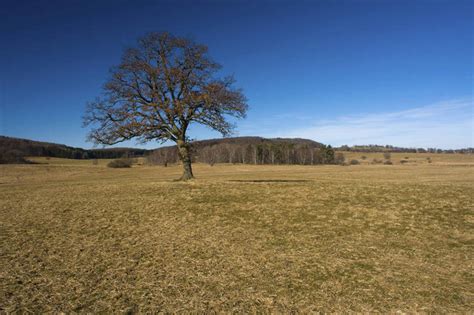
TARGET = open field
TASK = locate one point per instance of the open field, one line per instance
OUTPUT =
(412, 158)
(78, 237)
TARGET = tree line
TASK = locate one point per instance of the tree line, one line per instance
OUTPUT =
(252, 153)
(14, 150)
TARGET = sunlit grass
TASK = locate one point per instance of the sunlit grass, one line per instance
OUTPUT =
(78, 237)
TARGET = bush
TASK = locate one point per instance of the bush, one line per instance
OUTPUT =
(328, 155)
(376, 161)
(388, 162)
(387, 155)
(120, 163)
(403, 161)
(363, 157)
(355, 162)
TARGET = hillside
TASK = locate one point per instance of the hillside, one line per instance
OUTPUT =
(256, 150)
(12, 150)
(247, 150)
(255, 141)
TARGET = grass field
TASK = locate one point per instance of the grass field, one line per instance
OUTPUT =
(78, 237)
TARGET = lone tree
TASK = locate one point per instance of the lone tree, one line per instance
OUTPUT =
(159, 89)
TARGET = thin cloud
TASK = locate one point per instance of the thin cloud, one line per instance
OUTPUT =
(442, 125)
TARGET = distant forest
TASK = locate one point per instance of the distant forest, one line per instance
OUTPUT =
(252, 150)
(256, 150)
(14, 150)
(247, 150)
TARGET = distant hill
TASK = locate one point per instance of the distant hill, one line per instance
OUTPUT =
(258, 150)
(230, 150)
(14, 149)
(255, 140)
(250, 150)
(254, 150)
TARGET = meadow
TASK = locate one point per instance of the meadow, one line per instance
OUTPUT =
(79, 237)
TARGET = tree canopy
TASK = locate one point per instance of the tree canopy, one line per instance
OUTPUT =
(161, 86)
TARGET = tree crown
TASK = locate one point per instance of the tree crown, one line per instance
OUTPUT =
(160, 87)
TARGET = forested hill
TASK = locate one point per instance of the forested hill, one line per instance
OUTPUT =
(244, 149)
(250, 150)
(245, 141)
(253, 150)
(16, 148)
(28, 147)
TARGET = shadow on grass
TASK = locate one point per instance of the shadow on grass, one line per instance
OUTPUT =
(270, 180)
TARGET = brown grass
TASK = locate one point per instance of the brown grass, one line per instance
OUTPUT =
(78, 237)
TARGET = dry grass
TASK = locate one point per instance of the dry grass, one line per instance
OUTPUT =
(413, 158)
(76, 237)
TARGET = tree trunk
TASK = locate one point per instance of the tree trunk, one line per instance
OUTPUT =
(185, 157)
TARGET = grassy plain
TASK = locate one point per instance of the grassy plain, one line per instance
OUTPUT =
(78, 237)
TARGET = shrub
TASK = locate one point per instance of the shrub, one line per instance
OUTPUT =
(328, 155)
(428, 159)
(403, 161)
(355, 162)
(388, 162)
(120, 163)
(387, 155)
(376, 161)
(363, 157)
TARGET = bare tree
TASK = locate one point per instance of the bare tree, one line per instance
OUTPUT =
(232, 152)
(255, 152)
(208, 156)
(162, 86)
(272, 155)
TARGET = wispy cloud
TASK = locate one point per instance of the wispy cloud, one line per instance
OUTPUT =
(444, 125)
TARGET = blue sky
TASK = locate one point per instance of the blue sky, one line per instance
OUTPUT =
(339, 72)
